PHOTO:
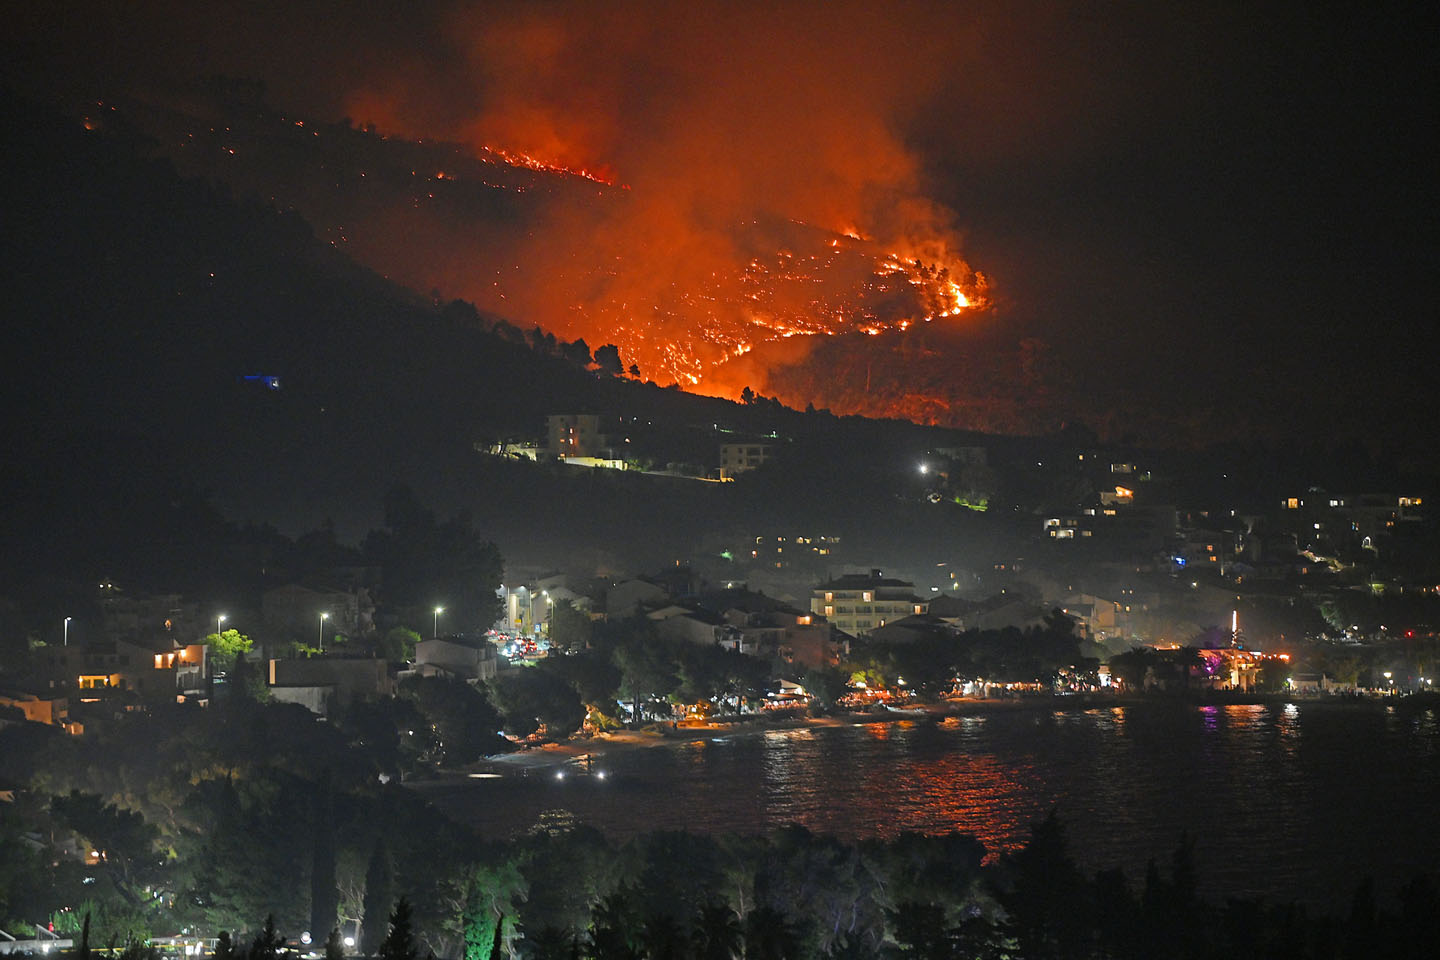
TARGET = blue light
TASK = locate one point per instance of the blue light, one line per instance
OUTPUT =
(1179, 561)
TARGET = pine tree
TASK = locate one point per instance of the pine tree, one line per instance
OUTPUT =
(497, 946)
(378, 897)
(84, 952)
(267, 942)
(324, 894)
(334, 946)
(399, 941)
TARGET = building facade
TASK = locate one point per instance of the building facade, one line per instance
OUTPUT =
(736, 458)
(859, 603)
(574, 435)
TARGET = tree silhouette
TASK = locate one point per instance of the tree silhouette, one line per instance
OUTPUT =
(324, 893)
(614, 928)
(716, 933)
(607, 358)
(399, 942)
(378, 898)
(770, 936)
(268, 942)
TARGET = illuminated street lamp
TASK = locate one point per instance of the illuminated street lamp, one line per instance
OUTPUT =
(66, 627)
(435, 623)
(219, 619)
(1389, 681)
(323, 618)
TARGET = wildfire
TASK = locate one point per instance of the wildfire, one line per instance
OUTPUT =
(690, 295)
(811, 285)
(515, 158)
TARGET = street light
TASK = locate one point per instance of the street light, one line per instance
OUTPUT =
(435, 623)
(219, 619)
(67, 632)
(323, 618)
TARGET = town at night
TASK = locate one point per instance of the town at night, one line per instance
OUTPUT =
(531, 480)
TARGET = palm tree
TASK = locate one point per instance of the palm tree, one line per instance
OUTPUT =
(1131, 666)
(769, 936)
(1187, 659)
(716, 934)
(851, 946)
(663, 939)
(612, 926)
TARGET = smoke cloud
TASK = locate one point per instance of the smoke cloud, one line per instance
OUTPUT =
(761, 159)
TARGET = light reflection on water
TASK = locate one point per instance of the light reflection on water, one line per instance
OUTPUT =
(1290, 801)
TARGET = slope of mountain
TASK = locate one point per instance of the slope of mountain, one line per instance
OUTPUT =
(152, 312)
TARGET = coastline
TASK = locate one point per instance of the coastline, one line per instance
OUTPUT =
(581, 751)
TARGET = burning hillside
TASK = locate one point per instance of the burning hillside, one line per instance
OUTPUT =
(700, 193)
(787, 280)
(572, 249)
(749, 172)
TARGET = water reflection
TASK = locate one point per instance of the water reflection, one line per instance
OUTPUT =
(1289, 801)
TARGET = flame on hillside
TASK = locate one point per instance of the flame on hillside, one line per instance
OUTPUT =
(517, 159)
(769, 194)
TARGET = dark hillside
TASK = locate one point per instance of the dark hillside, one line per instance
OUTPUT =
(141, 300)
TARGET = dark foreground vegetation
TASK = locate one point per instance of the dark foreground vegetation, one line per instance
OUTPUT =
(203, 821)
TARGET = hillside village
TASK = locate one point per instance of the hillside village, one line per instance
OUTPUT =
(1314, 592)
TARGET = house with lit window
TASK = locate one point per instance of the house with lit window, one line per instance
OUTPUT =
(768, 626)
(575, 435)
(51, 710)
(98, 669)
(737, 458)
(858, 603)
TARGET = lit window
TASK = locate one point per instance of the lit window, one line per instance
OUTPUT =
(867, 595)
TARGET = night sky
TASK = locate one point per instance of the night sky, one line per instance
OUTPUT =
(1200, 200)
